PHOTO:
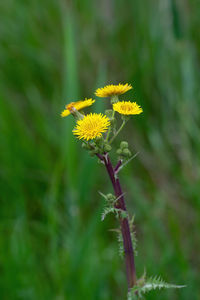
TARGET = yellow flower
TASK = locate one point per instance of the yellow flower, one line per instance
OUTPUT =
(127, 108)
(77, 105)
(112, 90)
(91, 126)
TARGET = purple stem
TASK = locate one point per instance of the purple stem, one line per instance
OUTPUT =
(125, 229)
(116, 169)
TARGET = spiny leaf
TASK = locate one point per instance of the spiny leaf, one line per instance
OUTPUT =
(117, 211)
(109, 208)
(134, 242)
(114, 197)
(133, 234)
(121, 246)
(157, 282)
(132, 296)
(107, 211)
(151, 284)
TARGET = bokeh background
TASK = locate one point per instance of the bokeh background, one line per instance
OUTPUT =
(53, 244)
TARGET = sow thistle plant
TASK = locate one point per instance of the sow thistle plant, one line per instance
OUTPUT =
(97, 132)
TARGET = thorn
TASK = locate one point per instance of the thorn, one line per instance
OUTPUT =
(119, 197)
(104, 196)
(121, 167)
(115, 230)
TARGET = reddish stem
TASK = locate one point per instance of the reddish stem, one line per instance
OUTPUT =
(125, 229)
(118, 165)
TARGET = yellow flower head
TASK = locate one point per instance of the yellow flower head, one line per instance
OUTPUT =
(112, 90)
(127, 108)
(91, 126)
(76, 105)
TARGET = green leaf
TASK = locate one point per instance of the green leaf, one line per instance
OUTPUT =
(133, 235)
(121, 246)
(152, 283)
(114, 210)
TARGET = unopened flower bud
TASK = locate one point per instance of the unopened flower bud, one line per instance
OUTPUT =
(119, 151)
(110, 196)
(124, 145)
(107, 148)
(126, 152)
(109, 113)
(114, 99)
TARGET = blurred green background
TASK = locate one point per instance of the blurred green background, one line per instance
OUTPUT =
(53, 244)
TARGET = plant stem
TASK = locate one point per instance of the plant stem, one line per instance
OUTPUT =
(116, 169)
(118, 131)
(125, 229)
(109, 130)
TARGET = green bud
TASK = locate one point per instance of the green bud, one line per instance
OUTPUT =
(119, 151)
(126, 152)
(109, 113)
(123, 145)
(110, 196)
(107, 148)
(114, 99)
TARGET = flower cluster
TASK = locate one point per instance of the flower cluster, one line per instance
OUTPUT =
(92, 126)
